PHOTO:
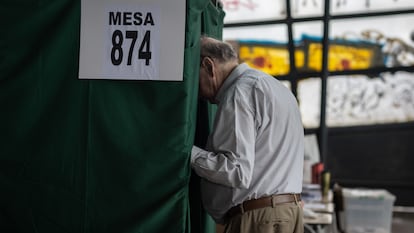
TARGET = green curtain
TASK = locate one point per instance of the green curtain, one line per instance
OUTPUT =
(94, 156)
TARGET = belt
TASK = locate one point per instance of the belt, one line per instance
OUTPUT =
(262, 203)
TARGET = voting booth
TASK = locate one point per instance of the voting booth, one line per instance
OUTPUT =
(98, 115)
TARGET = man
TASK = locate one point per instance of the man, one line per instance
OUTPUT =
(252, 168)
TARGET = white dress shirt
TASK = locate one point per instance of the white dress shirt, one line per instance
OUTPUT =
(256, 146)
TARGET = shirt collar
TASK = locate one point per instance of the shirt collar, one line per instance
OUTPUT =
(237, 72)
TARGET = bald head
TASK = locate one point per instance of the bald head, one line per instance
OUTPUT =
(217, 60)
(218, 50)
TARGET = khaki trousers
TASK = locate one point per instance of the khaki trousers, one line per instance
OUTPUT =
(282, 218)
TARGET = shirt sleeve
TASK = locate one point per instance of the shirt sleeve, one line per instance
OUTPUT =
(231, 155)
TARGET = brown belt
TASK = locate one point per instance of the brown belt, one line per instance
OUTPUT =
(262, 203)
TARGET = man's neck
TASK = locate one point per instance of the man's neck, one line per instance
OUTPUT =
(224, 73)
(227, 69)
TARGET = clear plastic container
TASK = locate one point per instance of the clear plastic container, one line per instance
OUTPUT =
(367, 210)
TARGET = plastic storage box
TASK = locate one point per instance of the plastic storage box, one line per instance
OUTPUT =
(367, 210)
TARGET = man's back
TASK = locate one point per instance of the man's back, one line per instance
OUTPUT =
(258, 126)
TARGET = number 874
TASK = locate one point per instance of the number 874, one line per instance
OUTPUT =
(117, 52)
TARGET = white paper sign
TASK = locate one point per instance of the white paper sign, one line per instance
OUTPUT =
(132, 39)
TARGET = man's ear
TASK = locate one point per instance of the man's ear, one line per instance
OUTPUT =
(208, 64)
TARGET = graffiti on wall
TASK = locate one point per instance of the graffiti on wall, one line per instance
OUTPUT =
(343, 3)
(253, 10)
(235, 5)
(270, 58)
(343, 56)
(273, 58)
(359, 100)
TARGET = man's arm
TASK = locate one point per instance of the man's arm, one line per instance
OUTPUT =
(233, 139)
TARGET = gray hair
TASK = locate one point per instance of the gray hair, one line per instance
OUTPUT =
(216, 49)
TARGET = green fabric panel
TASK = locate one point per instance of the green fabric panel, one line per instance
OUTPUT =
(43, 118)
(93, 156)
(211, 24)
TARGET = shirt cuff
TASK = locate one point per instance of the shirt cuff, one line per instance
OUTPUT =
(194, 152)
